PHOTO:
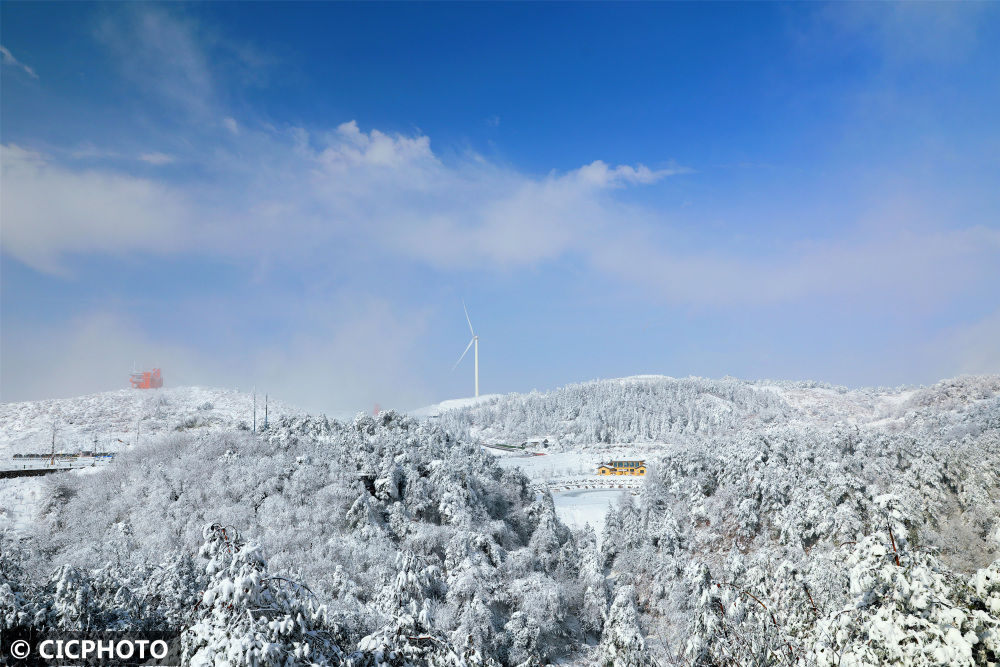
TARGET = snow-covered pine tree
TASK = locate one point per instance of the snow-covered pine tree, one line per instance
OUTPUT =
(247, 618)
(68, 601)
(912, 613)
(594, 583)
(622, 643)
(117, 603)
(409, 637)
(174, 591)
(549, 534)
(473, 578)
(16, 605)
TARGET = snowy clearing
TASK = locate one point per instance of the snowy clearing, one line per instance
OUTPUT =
(580, 507)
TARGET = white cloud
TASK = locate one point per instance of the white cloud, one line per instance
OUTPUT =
(161, 52)
(352, 189)
(464, 214)
(9, 59)
(349, 147)
(51, 210)
(90, 152)
(905, 32)
(156, 159)
(365, 191)
(599, 174)
(344, 186)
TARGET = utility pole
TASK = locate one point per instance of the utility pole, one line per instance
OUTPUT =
(136, 432)
(255, 408)
(265, 411)
(52, 459)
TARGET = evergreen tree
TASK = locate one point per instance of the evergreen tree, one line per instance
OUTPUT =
(247, 617)
(622, 643)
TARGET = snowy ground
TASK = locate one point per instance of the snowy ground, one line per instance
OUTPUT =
(577, 507)
(19, 500)
(451, 404)
(575, 464)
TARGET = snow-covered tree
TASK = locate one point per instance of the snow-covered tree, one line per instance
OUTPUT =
(69, 601)
(905, 609)
(595, 587)
(16, 606)
(622, 642)
(174, 591)
(247, 617)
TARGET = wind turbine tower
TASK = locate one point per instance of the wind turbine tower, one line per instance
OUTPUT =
(472, 343)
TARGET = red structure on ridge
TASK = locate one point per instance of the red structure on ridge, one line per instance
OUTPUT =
(146, 379)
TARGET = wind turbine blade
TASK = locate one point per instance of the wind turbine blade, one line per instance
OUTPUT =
(463, 354)
(467, 318)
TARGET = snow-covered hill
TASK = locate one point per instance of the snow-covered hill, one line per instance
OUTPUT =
(660, 409)
(109, 421)
(112, 422)
(779, 523)
(435, 410)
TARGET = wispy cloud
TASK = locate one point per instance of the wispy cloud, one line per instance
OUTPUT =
(168, 54)
(156, 159)
(162, 53)
(370, 189)
(52, 210)
(906, 32)
(319, 188)
(9, 59)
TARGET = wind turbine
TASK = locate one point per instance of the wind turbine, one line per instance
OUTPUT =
(474, 341)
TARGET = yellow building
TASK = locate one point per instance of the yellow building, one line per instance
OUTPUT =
(622, 468)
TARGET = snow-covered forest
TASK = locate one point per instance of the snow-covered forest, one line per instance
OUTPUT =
(780, 523)
(660, 409)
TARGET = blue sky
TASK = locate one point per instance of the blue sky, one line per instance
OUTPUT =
(300, 196)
